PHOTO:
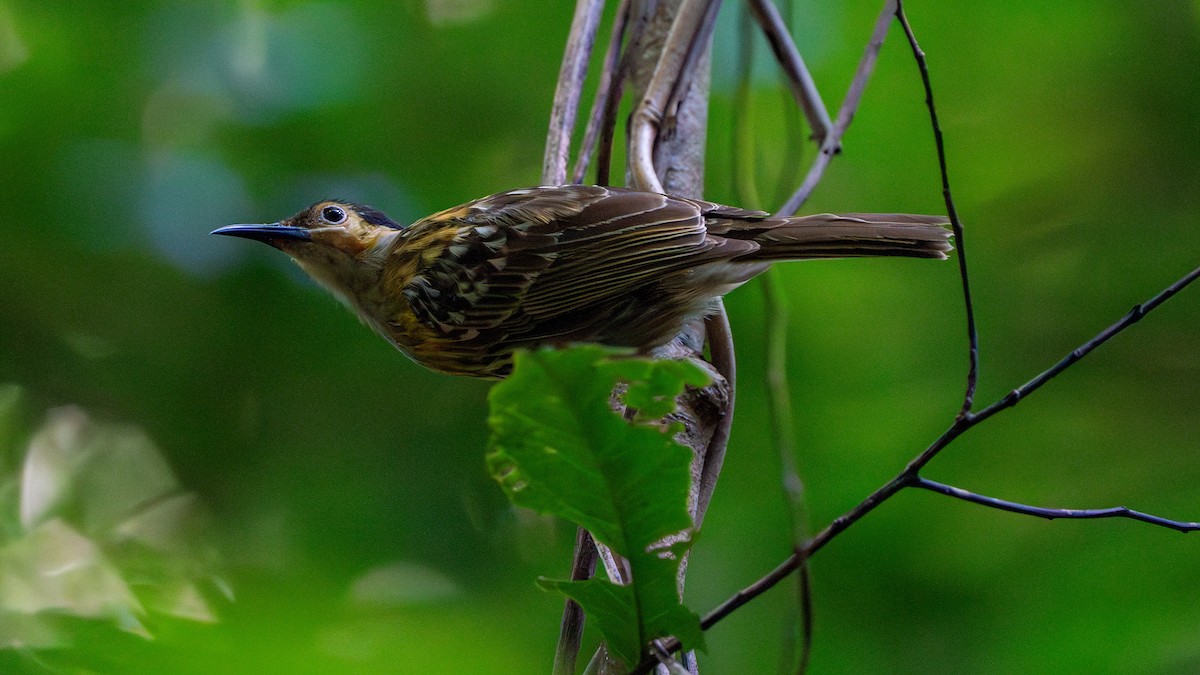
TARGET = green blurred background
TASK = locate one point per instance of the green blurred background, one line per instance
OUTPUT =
(329, 508)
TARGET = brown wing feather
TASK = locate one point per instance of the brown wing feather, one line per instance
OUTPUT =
(547, 252)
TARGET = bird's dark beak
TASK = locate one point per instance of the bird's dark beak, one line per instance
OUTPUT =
(266, 233)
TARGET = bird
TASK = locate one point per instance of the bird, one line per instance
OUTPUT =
(461, 290)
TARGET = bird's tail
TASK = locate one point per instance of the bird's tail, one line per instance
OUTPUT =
(849, 235)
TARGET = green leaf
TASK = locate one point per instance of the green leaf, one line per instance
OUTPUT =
(652, 391)
(614, 609)
(558, 447)
(610, 607)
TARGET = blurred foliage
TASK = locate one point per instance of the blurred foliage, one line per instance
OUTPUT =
(96, 528)
(348, 508)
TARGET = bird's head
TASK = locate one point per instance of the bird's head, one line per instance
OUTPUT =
(351, 229)
(340, 244)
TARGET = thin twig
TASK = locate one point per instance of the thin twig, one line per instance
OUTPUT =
(779, 407)
(570, 86)
(684, 46)
(804, 590)
(636, 25)
(1052, 514)
(779, 393)
(962, 422)
(793, 122)
(608, 128)
(910, 478)
(780, 403)
(1131, 317)
(800, 81)
(832, 144)
(570, 635)
(721, 353)
(780, 415)
(616, 567)
(608, 88)
(955, 223)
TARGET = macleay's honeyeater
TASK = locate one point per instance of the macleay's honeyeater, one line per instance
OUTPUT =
(460, 290)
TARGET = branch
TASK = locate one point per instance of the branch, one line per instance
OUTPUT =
(647, 115)
(910, 478)
(583, 566)
(570, 85)
(1131, 317)
(832, 143)
(678, 85)
(1051, 514)
(779, 411)
(665, 659)
(955, 223)
(804, 89)
(720, 341)
(965, 419)
(665, 63)
(696, 61)
(608, 89)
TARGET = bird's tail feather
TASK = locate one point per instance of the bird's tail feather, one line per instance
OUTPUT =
(827, 235)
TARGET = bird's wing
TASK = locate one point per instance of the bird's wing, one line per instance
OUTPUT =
(527, 256)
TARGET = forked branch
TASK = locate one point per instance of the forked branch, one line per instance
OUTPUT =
(910, 476)
(966, 419)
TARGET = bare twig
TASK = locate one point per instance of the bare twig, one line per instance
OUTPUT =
(665, 143)
(720, 340)
(832, 143)
(955, 223)
(1052, 514)
(683, 51)
(570, 86)
(1131, 317)
(608, 89)
(745, 186)
(583, 565)
(608, 127)
(779, 407)
(794, 123)
(634, 25)
(962, 422)
(804, 89)
(805, 603)
(780, 416)
(637, 21)
(910, 478)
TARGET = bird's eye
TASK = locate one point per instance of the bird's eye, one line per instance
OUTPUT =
(334, 215)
